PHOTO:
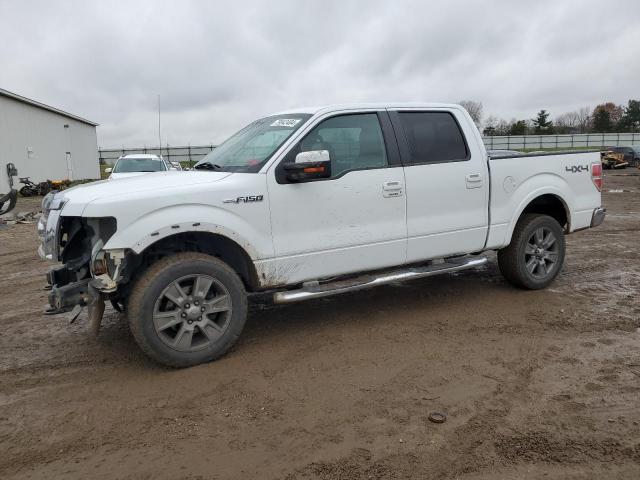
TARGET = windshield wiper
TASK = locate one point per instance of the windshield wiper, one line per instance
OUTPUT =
(207, 166)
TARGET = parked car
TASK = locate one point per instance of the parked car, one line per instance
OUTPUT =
(305, 204)
(137, 164)
(175, 166)
(636, 155)
(8, 194)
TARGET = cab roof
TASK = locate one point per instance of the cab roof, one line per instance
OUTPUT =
(361, 106)
(140, 155)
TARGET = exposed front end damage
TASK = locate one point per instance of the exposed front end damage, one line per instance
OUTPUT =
(89, 275)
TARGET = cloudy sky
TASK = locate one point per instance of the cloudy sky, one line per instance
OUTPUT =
(219, 64)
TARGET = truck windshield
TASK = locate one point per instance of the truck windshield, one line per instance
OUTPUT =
(249, 149)
(128, 165)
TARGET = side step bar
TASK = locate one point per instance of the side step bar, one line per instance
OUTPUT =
(367, 281)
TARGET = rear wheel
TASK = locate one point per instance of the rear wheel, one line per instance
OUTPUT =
(187, 309)
(535, 255)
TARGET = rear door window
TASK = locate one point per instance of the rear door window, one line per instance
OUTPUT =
(433, 137)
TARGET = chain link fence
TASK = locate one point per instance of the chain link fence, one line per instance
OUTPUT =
(578, 140)
(190, 154)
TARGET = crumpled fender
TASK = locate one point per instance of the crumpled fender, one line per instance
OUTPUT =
(172, 220)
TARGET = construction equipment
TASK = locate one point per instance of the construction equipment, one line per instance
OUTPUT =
(613, 159)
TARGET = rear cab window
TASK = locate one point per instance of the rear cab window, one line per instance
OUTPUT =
(430, 137)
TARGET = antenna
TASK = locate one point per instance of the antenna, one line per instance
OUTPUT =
(159, 136)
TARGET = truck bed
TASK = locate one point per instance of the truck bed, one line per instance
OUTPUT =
(517, 179)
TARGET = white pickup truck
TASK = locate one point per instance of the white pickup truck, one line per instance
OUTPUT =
(304, 204)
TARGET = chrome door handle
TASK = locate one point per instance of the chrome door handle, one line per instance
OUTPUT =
(391, 189)
(392, 186)
(473, 180)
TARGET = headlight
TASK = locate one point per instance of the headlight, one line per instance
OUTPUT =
(53, 201)
(48, 225)
(42, 221)
(46, 202)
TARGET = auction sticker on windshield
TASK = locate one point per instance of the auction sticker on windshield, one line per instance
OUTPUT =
(286, 122)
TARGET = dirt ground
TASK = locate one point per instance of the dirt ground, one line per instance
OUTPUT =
(538, 384)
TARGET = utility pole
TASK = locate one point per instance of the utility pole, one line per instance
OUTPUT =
(159, 135)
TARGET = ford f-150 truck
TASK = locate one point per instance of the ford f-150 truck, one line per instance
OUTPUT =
(304, 204)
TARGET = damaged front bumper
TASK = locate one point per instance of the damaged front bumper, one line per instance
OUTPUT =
(88, 274)
(68, 295)
(66, 292)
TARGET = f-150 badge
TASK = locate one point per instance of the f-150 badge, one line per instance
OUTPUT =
(247, 199)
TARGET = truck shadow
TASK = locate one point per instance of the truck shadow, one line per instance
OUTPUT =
(415, 304)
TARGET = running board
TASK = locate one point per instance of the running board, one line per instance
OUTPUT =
(367, 281)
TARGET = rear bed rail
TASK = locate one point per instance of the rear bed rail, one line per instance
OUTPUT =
(542, 154)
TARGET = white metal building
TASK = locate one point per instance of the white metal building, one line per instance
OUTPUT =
(44, 142)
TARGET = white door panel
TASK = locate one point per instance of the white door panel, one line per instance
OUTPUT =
(444, 215)
(331, 227)
(446, 183)
(353, 221)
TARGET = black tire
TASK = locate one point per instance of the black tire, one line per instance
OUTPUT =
(26, 192)
(525, 253)
(43, 188)
(149, 299)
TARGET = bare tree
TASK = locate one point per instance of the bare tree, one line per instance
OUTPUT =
(475, 110)
(567, 123)
(490, 125)
(584, 119)
(578, 121)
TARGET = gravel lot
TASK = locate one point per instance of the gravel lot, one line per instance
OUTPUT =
(534, 384)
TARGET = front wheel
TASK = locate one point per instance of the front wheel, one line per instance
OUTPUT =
(535, 255)
(187, 309)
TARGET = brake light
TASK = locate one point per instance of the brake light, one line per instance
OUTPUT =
(596, 175)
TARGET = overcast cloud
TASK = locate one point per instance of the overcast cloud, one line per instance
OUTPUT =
(218, 65)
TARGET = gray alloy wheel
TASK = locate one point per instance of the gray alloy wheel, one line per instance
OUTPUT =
(187, 308)
(192, 313)
(541, 253)
(535, 255)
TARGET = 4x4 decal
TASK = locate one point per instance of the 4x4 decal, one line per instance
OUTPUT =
(577, 168)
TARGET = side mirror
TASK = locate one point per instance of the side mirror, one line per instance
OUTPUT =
(309, 166)
(108, 170)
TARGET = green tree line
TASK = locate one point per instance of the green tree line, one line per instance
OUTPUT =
(606, 117)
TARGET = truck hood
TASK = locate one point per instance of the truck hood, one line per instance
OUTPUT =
(78, 197)
(115, 176)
